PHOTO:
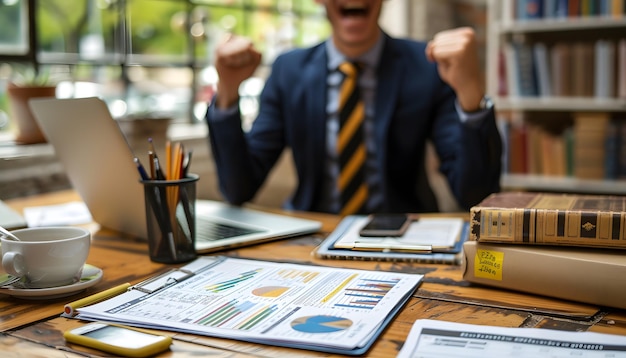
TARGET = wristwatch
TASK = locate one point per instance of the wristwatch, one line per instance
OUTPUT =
(485, 103)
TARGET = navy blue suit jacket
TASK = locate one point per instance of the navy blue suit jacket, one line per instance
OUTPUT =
(412, 105)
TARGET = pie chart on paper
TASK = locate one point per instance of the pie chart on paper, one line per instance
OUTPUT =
(270, 291)
(320, 324)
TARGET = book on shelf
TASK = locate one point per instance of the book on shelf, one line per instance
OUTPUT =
(553, 9)
(560, 69)
(615, 147)
(448, 234)
(527, 73)
(604, 75)
(529, 9)
(590, 133)
(535, 218)
(538, 147)
(595, 277)
(573, 8)
(611, 147)
(512, 77)
(542, 66)
(621, 68)
(583, 145)
(517, 148)
(621, 150)
(580, 68)
(290, 305)
(618, 8)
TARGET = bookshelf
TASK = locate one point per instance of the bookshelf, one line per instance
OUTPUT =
(557, 74)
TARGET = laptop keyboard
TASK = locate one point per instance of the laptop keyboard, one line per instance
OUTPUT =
(212, 231)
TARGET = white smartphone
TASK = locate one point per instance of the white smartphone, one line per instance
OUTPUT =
(119, 340)
(386, 225)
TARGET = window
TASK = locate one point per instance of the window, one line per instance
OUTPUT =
(145, 57)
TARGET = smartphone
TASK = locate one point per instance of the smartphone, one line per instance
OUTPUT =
(386, 225)
(119, 340)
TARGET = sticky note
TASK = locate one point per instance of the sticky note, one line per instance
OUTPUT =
(488, 264)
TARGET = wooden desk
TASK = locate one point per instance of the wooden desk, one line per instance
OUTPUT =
(37, 327)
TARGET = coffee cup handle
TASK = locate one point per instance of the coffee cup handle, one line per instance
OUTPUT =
(13, 263)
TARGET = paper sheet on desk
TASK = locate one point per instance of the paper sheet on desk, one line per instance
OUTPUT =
(72, 213)
(429, 338)
(436, 232)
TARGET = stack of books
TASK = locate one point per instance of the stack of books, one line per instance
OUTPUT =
(566, 246)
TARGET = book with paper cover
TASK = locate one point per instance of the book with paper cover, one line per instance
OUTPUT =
(550, 219)
(595, 276)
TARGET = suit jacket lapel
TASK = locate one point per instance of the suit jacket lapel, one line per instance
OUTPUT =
(390, 72)
(314, 78)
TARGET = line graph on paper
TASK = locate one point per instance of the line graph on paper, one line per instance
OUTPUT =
(225, 285)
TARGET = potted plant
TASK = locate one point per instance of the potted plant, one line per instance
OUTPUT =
(27, 84)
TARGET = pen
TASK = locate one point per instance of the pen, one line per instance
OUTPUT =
(141, 169)
(186, 163)
(157, 168)
(366, 246)
(70, 308)
(151, 160)
(155, 161)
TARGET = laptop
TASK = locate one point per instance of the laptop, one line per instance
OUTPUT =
(99, 163)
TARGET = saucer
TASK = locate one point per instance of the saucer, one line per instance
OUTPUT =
(91, 276)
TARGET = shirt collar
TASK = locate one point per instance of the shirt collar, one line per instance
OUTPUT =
(370, 59)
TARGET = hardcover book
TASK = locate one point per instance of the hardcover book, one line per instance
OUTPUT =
(573, 273)
(550, 219)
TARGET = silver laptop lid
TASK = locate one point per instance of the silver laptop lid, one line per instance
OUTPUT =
(99, 164)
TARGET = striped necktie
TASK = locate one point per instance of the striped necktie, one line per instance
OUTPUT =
(351, 143)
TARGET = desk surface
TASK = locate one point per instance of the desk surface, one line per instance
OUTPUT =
(35, 325)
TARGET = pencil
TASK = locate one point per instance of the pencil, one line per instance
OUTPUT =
(168, 160)
(70, 308)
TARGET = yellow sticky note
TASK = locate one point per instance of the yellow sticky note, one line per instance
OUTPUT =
(488, 264)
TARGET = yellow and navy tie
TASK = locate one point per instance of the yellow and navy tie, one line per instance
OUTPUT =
(351, 143)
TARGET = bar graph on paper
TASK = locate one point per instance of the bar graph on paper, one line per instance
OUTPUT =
(234, 310)
(365, 293)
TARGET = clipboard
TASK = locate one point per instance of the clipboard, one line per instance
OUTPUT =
(149, 286)
(328, 250)
(243, 299)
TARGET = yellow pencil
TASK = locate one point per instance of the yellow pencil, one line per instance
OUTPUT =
(70, 308)
(168, 160)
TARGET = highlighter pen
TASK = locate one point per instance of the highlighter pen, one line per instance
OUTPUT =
(70, 308)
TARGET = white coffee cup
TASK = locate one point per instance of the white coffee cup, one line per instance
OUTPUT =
(46, 256)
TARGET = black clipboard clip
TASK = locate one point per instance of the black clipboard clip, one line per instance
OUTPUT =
(175, 276)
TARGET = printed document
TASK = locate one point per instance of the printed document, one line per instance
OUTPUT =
(435, 339)
(302, 306)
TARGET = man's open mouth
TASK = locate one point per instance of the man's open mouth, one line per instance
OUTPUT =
(354, 9)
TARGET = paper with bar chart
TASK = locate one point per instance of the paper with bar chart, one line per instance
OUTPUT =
(304, 306)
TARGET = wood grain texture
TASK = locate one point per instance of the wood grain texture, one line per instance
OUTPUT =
(443, 295)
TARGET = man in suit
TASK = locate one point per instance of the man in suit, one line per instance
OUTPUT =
(412, 92)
